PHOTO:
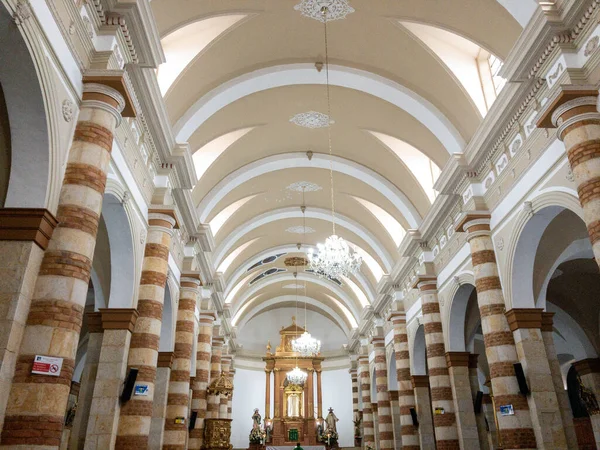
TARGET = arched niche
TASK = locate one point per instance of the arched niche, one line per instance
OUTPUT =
(28, 177)
(458, 318)
(392, 377)
(419, 353)
(166, 342)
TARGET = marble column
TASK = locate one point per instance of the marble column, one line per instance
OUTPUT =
(406, 395)
(223, 401)
(566, 413)
(24, 236)
(214, 400)
(424, 415)
(88, 380)
(574, 111)
(526, 324)
(268, 393)
(159, 403)
(384, 410)
(515, 431)
(136, 414)
(480, 419)
(56, 311)
(589, 371)
(444, 418)
(365, 391)
(458, 368)
(118, 324)
(199, 395)
(176, 434)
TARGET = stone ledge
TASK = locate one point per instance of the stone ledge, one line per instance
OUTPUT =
(118, 318)
(420, 381)
(94, 322)
(522, 318)
(27, 224)
(457, 359)
(165, 359)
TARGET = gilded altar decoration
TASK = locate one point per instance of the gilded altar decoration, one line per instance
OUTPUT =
(217, 434)
(221, 386)
(588, 398)
(294, 397)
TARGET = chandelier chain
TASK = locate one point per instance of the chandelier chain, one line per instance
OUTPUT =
(324, 12)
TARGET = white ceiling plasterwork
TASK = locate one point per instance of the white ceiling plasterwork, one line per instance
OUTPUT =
(311, 119)
(300, 230)
(304, 186)
(336, 9)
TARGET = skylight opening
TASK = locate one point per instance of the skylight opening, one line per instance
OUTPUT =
(495, 68)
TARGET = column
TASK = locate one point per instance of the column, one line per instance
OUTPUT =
(574, 112)
(384, 410)
(480, 420)
(159, 403)
(230, 400)
(199, 400)
(375, 424)
(365, 392)
(88, 380)
(526, 326)
(268, 394)
(176, 434)
(136, 414)
(396, 425)
(214, 401)
(514, 431)
(458, 368)
(563, 399)
(444, 418)
(319, 394)
(589, 371)
(118, 324)
(423, 404)
(56, 312)
(24, 236)
(223, 401)
(406, 396)
(354, 378)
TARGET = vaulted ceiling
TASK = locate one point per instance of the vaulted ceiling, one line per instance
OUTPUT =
(407, 91)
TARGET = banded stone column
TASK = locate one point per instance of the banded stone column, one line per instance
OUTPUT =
(214, 401)
(136, 414)
(56, 312)
(482, 431)
(526, 323)
(589, 371)
(446, 431)
(384, 409)
(223, 401)
(199, 395)
(458, 368)
(159, 403)
(365, 392)
(118, 324)
(396, 425)
(574, 112)
(406, 395)
(566, 413)
(354, 379)
(88, 379)
(230, 400)
(515, 432)
(424, 415)
(176, 434)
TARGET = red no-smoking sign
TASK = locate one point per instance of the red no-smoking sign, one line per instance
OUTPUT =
(46, 365)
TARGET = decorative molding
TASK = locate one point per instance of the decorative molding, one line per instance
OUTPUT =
(304, 186)
(22, 12)
(312, 120)
(68, 110)
(299, 229)
(336, 9)
(25, 224)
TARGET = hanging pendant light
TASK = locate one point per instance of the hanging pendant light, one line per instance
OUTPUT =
(335, 258)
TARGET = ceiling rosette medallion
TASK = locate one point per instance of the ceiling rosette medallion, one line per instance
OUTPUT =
(300, 230)
(313, 9)
(311, 119)
(304, 186)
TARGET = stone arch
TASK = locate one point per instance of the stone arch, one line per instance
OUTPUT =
(169, 316)
(23, 81)
(531, 222)
(392, 369)
(458, 311)
(418, 360)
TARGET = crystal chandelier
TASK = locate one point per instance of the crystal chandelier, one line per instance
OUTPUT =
(306, 345)
(297, 376)
(334, 258)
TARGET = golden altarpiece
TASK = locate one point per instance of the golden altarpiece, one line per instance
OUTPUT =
(294, 410)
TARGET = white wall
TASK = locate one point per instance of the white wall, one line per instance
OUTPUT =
(249, 393)
(337, 394)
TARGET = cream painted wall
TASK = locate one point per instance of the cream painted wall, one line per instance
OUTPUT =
(250, 393)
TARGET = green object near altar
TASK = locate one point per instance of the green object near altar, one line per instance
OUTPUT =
(293, 435)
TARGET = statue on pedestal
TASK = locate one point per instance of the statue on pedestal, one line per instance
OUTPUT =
(256, 435)
(330, 435)
(357, 420)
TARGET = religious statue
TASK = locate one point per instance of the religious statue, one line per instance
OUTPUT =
(331, 420)
(357, 420)
(256, 435)
(330, 435)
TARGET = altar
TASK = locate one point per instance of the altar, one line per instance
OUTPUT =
(293, 418)
(305, 447)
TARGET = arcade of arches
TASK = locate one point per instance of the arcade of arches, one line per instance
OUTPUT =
(165, 164)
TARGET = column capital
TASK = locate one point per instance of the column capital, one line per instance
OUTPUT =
(420, 381)
(457, 359)
(190, 280)
(165, 359)
(94, 322)
(567, 103)
(547, 321)
(111, 83)
(208, 317)
(353, 373)
(587, 366)
(119, 318)
(425, 283)
(396, 317)
(522, 318)
(27, 224)
(473, 221)
(163, 216)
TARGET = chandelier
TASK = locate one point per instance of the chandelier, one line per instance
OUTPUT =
(297, 376)
(335, 258)
(306, 345)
